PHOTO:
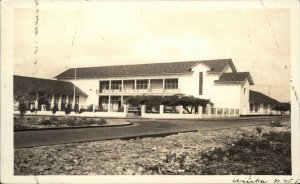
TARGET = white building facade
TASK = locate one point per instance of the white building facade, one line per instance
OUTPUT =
(109, 87)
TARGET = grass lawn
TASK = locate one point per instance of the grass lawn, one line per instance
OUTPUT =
(240, 151)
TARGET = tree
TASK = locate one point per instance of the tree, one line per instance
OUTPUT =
(151, 102)
(24, 98)
(282, 107)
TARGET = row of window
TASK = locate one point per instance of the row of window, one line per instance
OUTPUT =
(255, 107)
(140, 84)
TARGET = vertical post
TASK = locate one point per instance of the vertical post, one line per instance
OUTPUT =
(93, 108)
(200, 110)
(180, 109)
(125, 110)
(223, 112)
(122, 84)
(135, 84)
(149, 85)
(208, 112)
(109, 105)
(143, 109)
(79, 104)
(59, 102)
(109, 86)
(163, 84)
(36, 103)
(52, 101)
(122, 99)
(161, 109)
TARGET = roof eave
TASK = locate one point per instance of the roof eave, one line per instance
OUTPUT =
(217, 81)
(99, 77)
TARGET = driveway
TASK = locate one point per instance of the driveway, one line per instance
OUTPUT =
(141, 128)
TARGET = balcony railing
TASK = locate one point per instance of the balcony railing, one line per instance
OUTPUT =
(138, 91)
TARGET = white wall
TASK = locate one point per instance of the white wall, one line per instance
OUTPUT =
(222, 95)
(89, 86)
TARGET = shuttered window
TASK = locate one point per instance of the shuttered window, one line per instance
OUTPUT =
(200, 83)
(171, 84)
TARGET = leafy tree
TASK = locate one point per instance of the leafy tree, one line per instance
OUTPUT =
(282, 107)
(24, 98)
(151, 102)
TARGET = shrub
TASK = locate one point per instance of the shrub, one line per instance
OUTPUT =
(22, 109)
(103, 121)
(49, 122)
(276, 123)
(54, 109)
(54, 119)
(32, 110)
(259, 131)
(68, 110)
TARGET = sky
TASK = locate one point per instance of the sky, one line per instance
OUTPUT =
(257, 40)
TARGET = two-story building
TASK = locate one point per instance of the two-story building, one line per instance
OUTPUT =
(109, 87)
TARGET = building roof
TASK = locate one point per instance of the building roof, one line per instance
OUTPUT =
(217, 66)
(235, 77)
(47, 86)
(257, 97)
(152, 69)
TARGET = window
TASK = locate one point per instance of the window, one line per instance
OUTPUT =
(115, 99)
(200, 83)
(256, 107)
(251, 107)
(244, 91)
(142, 84)
(171, 83)
(265, 106)
(116, 84)
(104, 84)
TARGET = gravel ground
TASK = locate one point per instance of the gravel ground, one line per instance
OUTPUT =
(188, 153)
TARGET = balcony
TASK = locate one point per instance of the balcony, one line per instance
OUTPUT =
(139, 91)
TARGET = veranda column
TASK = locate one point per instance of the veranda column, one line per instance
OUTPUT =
(200, 111)
(36, 103)
(125, 110)
(180, 109)
(108, 105)
(143, 109)
(52, 101)
(208, 112)
(122, 99)
(59, 102)
(67, 99)
(79, 104)
(135, 85)
(109, 85)
(161, 109)
(122, 85)
(149, 85)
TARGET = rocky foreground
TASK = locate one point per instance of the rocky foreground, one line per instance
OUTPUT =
(248, 150)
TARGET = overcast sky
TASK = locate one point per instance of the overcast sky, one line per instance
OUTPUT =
(257, 40)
